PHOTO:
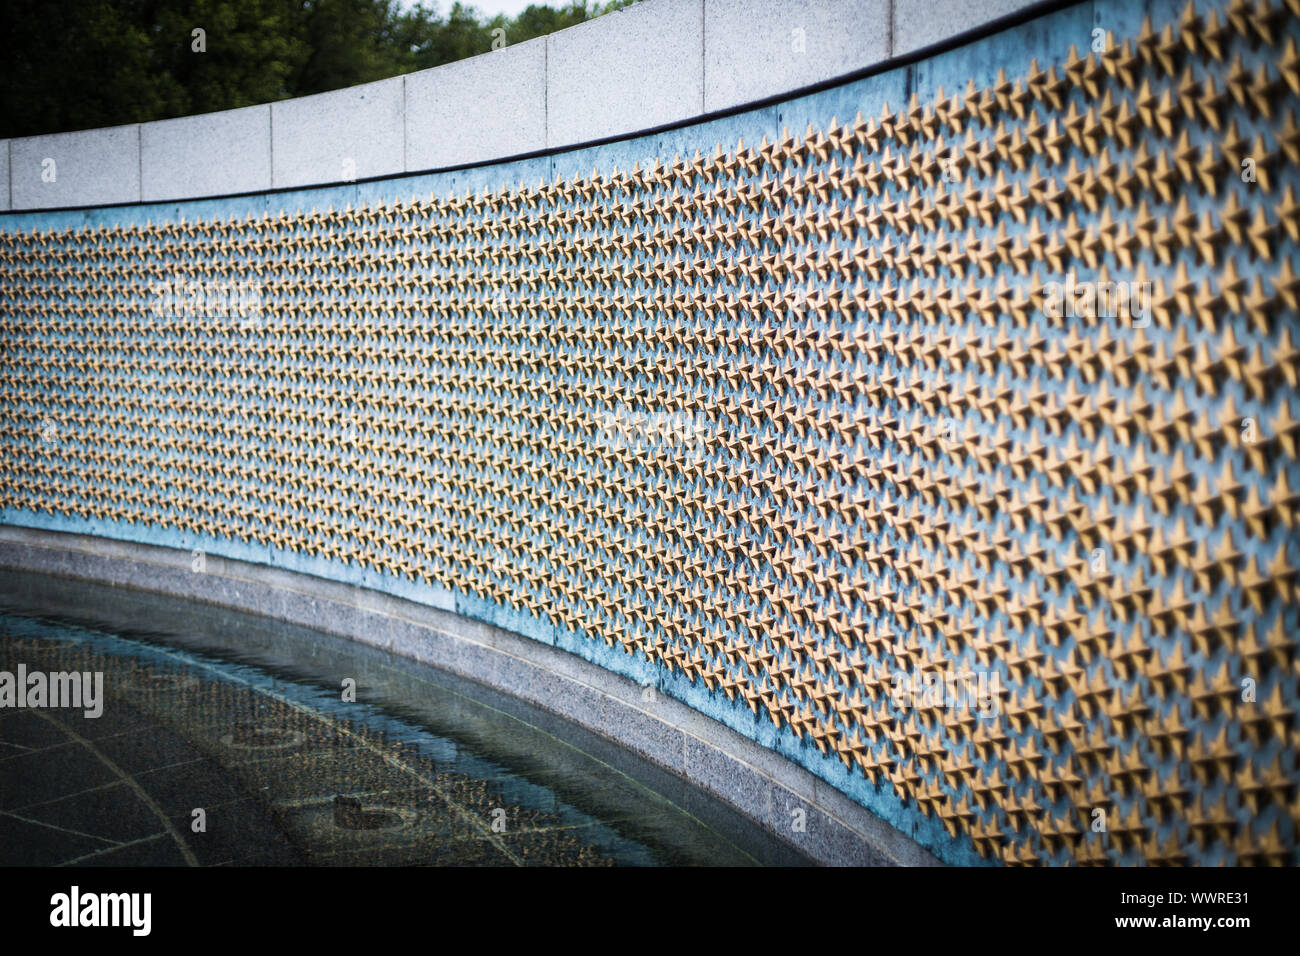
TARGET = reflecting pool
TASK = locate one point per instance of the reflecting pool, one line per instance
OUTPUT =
(227, 739)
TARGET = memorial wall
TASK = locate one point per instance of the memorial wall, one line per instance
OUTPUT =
(936, 429)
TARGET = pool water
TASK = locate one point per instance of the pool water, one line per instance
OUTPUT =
(228, 739)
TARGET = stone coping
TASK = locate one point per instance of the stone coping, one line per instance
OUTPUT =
(655, 65)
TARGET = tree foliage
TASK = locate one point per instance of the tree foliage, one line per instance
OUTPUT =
(77, 64)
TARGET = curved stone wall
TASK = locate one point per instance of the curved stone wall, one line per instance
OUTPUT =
(945, 445)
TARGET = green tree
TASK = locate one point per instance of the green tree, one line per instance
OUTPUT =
(538, 19)
(253, 51)
(348, 42)
(78, 64)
